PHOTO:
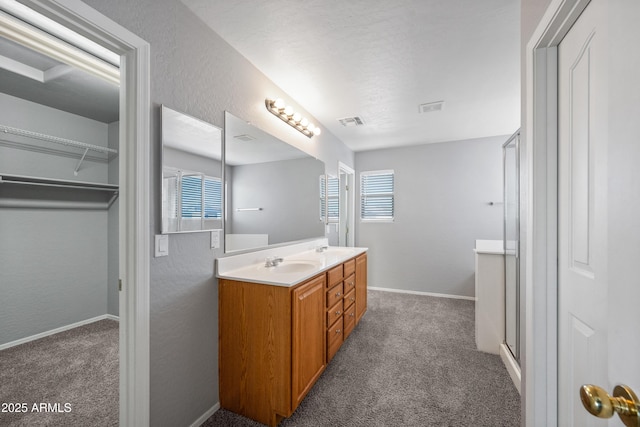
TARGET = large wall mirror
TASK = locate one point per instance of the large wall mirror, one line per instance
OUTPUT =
(191, 173)
(273, 189)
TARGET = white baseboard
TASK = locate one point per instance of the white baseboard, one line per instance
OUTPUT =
(57, 330)
(430, 294)
(204, 417)
(512, 366)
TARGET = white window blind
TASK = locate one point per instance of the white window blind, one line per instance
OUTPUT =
(332, 196)
(376, 195)
(193, 198)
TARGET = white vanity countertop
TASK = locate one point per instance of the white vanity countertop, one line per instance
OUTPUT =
(495, 247)
(300, 262)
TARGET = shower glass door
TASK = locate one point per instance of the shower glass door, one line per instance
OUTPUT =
(511, 244)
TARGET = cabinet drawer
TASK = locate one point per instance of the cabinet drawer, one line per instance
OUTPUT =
(349, 298)
(335, 336)
(335, 275)
(349, 267)
(349, 320)
(334, 295)
(349, 283)
(334, 313)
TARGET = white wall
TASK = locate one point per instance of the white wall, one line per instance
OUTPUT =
(441, 200)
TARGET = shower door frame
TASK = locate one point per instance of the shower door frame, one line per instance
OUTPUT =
(515, 139)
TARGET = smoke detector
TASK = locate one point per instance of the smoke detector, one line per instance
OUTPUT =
(351, 121)
(430, 107)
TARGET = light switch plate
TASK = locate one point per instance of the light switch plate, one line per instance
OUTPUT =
(162, 245)
(215, 238)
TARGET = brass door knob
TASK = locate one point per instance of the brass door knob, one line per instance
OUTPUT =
(624, 401)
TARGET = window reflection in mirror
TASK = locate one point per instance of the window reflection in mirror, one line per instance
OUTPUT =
(191, 173)
(272, 189)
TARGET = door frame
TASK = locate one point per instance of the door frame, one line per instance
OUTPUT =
(134, 194)
(351, 204)
(540, 379)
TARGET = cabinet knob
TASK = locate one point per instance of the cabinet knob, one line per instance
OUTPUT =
(338, 313)
(338, 294)
(352, 314)
(338, 331)
(352, 299)
(351, 283)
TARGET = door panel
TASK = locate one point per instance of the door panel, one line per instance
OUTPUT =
(582, 194)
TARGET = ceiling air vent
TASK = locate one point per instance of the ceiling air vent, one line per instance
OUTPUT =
(244, 137)
(351, 121)
(430, 107)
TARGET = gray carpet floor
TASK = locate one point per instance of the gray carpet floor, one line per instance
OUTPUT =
(411, 361)
(78, 367)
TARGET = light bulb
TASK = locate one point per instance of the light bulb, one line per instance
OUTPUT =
(297, 117)
(310, 127)
(288, 110)
(278, 103)
(317, 131)
(304, 122)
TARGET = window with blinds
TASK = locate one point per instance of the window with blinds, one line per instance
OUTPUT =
(376, 195)
(330, 199)
(193, 200)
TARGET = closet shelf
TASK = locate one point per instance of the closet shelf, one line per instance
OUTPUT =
(62, 183)
(57, 140)
(14, 199)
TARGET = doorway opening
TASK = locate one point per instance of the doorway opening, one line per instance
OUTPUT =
(131, 212)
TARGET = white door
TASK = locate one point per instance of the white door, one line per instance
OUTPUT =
(598, 206)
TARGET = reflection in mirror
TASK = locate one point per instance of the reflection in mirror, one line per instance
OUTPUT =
(273, 191)
(191, 173)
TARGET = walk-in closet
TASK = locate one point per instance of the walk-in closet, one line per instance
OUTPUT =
(59, 238)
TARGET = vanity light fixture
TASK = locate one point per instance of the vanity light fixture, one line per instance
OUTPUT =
(285, 113)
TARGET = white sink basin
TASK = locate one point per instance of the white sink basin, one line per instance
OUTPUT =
(293, 267)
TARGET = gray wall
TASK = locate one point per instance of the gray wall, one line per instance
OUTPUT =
(113, 301)
(441, 207)
(288, 193)
(194, 71)
(54, 261)
(191, 162)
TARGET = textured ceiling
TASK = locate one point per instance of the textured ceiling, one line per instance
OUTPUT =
(380, 59)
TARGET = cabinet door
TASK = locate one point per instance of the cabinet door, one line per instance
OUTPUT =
(309, 344)
(361, 286)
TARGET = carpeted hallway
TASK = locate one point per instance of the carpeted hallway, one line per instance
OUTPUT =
(411, 362)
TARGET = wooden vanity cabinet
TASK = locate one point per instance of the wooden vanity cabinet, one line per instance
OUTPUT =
(342, 283)
(275, 341)
(308, 337)
(271, 346)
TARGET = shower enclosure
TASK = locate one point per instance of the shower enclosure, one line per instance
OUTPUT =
(510, 150)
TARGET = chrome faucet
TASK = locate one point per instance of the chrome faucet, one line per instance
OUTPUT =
(272, 261)
(322, 248)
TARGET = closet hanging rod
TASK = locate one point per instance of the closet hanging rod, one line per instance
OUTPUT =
(57, 140)
(46, 182)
